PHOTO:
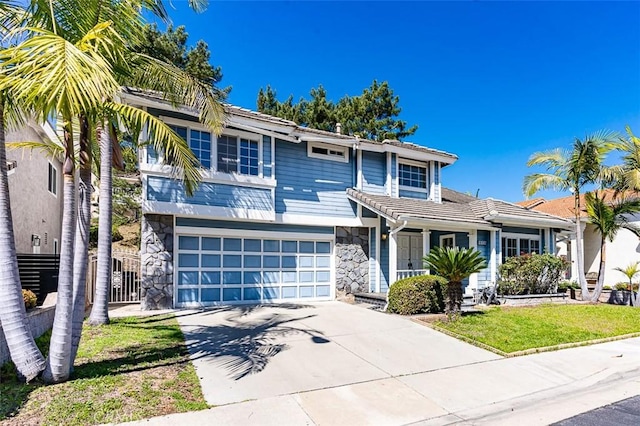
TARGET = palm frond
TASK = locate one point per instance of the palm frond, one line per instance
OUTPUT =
(552, 160)
(454, 264)
(539, 181)
(164, 139)
(54, 75)
(49, 148)
(179, 88)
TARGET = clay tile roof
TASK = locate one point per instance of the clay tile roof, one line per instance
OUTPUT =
(564, 206)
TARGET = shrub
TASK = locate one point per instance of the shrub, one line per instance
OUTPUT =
(531, 274)
(625, 286)
(29, 298)
(416, 295)
(93, 234)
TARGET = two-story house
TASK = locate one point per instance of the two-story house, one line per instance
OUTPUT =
(287, 213)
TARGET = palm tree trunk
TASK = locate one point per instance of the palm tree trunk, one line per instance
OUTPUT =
(579, 247)
(81, 257)
(13, 316)
(454, 299)
(603, 259)
(59, 359)
(100, 310)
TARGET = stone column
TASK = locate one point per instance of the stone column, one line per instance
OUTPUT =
(156, 262)
(352, 260)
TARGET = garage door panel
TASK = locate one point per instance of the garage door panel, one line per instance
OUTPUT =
(216, 269)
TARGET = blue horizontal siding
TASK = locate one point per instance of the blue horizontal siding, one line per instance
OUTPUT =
(413, 194)
(484, 247)
(209, 194)
(311, 186)
(266, 156)
(394, 174)
(251, 226)
(373, 172)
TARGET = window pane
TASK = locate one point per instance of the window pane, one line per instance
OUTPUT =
(252, 245)
(232, 244)
(211, 260)
(212, 244)
(188, 243)
(271, 245)
(227, 154)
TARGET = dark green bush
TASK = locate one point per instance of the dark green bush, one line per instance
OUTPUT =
(416, 295)
(531, 274)
(93, 234)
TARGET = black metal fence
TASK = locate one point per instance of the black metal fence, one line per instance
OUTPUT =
(39, 273)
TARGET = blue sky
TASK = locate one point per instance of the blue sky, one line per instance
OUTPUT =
(491, 82)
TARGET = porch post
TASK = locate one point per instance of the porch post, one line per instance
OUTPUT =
(426, 244)
(574, 258)
(473, 278)
(393, 257)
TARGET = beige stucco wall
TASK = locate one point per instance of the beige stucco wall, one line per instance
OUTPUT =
(34, 209)
(624, 250)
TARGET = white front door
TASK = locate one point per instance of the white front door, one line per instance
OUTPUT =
(409, 252)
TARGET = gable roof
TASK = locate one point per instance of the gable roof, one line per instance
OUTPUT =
(487, 213)
(448, 194)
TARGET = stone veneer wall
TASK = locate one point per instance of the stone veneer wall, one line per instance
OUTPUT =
(352, 259)
(156, 262)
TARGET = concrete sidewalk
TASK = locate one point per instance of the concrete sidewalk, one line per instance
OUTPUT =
(336, 364)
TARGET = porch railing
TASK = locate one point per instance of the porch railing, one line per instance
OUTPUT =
(406, 273)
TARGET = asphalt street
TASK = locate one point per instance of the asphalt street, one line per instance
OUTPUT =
(622, 413)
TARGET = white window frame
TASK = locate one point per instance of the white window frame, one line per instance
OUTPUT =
(55, 183)
(445, 236)
(518, 237)
(415, 164)
(331, 157)
(238, 134)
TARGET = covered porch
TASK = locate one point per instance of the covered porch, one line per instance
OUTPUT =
(408, 229)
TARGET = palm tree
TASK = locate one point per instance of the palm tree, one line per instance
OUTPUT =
(454, 264)
(178, 87)
(627, 175)
(630, 271)
(25, 354)
(608, 219)
(572, 171)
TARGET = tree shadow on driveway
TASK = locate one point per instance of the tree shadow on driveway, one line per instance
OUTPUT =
(244, 346)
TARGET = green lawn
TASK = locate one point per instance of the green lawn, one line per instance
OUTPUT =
(513, 329)
(131, 369)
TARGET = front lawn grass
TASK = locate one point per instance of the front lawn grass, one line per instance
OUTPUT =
(131, 369)
(514, 329)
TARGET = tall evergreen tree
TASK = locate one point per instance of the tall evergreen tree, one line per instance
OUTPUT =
(171, 47)
(372, 115)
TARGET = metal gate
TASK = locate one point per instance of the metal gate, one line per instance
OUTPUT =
(125, 277)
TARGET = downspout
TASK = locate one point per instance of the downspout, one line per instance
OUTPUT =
(392, 233)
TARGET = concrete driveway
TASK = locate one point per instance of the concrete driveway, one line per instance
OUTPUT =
(336, 364)
(255, 352)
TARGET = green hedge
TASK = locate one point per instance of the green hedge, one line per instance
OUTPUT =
(416, 295)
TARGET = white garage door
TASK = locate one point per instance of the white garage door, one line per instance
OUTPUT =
(213, 270)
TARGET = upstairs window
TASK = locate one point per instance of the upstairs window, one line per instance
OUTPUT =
(228, 154)
(328, 152)
(238, 155)
(199, 142)
(52, 185)
(412, 176)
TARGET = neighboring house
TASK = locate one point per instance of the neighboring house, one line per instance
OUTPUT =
(623, 250)
(35, 188)
(288, 213)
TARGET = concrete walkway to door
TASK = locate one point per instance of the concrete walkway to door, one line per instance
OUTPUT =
(336, 364)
